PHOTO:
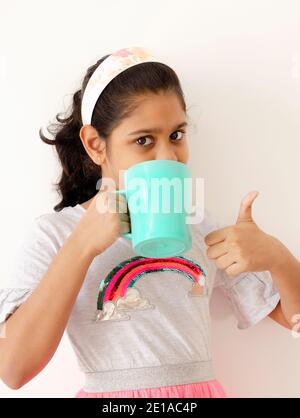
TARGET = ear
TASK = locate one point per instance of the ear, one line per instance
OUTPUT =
(94, 145)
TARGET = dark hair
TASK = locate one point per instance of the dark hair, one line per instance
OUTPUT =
(80, 175)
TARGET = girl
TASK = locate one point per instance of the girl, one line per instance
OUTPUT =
(153, 340)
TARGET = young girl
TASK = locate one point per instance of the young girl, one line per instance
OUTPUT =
(153, 340)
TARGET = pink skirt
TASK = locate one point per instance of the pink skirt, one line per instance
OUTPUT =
(207, 389)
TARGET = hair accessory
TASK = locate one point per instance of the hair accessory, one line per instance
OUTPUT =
(112, 66)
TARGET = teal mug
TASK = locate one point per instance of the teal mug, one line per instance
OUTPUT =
(158, 199)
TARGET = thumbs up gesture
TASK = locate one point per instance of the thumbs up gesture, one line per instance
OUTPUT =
(243, 247)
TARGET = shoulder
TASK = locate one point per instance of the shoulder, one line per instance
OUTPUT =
(68, 215)
(53, 226)
(40, 242)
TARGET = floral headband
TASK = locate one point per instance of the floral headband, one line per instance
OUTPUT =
(113, 65)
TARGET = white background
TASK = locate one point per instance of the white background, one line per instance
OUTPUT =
(239, 65)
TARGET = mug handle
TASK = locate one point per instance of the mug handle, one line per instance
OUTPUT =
(126, 234)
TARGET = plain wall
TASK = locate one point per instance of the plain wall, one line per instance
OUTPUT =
(239, 65)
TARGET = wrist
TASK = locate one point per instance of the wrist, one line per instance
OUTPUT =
(281, 257)
(79, 245)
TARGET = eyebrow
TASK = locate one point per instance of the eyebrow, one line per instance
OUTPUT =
(153, 130)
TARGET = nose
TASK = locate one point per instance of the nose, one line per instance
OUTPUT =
(166, 152)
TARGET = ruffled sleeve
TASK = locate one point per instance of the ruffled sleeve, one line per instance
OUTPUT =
(31, 260)
(251, 295)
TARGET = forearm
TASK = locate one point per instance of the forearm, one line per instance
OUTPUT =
(35, 329)
(286, 276)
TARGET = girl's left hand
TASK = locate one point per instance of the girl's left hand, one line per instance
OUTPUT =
(244, 247)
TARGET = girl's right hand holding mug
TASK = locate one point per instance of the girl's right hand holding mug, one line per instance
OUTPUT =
(103, 222)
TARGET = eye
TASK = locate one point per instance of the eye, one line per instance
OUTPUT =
(176, 139)
(143, 140)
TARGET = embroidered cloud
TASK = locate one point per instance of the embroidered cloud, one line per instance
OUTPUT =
(133, 300)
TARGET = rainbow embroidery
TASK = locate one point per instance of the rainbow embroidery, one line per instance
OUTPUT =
(117, 293)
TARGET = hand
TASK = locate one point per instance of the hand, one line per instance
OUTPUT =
(103, 222)
(243, 247)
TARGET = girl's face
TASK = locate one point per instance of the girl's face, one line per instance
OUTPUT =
(155, 130)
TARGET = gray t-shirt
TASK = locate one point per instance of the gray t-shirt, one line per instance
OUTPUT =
(139, 322)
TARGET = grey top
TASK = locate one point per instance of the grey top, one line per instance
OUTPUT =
(156, 330)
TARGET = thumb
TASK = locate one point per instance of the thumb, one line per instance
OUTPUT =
(245, 212)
